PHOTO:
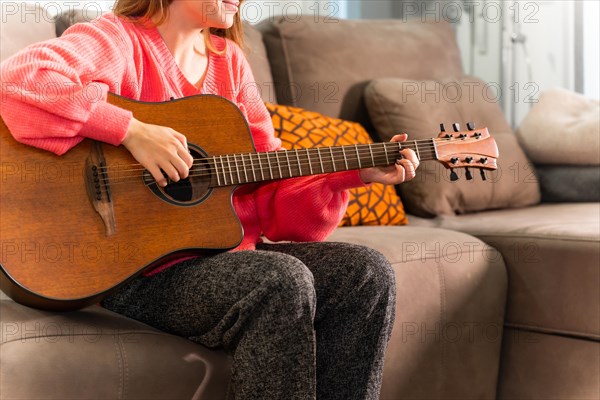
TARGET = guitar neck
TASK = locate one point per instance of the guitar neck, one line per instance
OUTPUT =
(235, 169)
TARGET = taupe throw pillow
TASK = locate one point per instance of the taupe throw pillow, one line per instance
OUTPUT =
(417, 108)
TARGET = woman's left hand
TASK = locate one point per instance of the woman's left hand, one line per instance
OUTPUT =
(403, 170)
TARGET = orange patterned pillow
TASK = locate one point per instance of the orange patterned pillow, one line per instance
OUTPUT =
(376, 204)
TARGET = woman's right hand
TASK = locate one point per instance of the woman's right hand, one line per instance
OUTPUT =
(158, 147)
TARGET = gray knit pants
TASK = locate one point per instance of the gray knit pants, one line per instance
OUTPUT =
(302, 321)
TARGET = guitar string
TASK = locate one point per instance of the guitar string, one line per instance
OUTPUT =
(257, 174)
(223, 165)
(368, 147)
(428, 144)
(222, 170)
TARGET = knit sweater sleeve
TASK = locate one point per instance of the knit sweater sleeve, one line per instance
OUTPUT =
(298, 209)
(54, 93)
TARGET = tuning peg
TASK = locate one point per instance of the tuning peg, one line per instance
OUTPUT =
(482, 172)
(471, 126)
(468, 174)
(442, 128)
(456, 127)
(453, 176)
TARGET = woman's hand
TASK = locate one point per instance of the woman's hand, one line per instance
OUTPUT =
(403, 170)
(159, 148)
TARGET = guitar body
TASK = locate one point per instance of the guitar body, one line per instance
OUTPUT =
(63, 248)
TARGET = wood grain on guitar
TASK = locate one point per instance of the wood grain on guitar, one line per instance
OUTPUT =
(75, 227)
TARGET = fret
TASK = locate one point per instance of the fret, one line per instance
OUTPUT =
(278, 164)
(372, 157)
(230, 170)
(287, 157)
(345, 158)
(309, 162)
(320, 160)
(216, 171)
(332, 159)
(269, 163)
(237, 170)
(223, 170)
(299, 163)
(244, 167)
(385, 151)
(417, 149)
(262, 172)
(358, 156)
(252, 166)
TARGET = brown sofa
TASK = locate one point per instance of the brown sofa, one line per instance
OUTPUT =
(491, 304)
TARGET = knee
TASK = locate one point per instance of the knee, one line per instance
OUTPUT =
(292, 285)
(375, 273)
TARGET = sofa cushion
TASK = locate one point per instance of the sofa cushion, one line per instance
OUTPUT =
(542, 367)
(552, 253)
(451, 293)
(259, 63)
(562, 128)
(97, 354)
(376, 204)
(569, 183)
(23, 24)
(324, 65)
(418, 107)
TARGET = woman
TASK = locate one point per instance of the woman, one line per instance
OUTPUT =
(302, 320)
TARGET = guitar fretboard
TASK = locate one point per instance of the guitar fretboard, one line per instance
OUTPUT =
(235, 169)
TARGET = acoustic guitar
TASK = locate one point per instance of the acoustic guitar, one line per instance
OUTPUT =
(75, 227)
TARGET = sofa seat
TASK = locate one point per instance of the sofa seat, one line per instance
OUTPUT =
(450, 312)
(552, 255)
(551, 346)
(451, 291)
(97, 354)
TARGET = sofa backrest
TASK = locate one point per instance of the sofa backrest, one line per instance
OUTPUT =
(325, 64)
(23, 24)
(256, 52)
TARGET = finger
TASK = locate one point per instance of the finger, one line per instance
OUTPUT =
(186, 157)
(171, 172)
(180, 166)
(181, 138)
(400, 138)
(409, 154)
(158, 176)
(408, 167)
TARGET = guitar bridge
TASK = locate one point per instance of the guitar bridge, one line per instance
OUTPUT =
(98, 187)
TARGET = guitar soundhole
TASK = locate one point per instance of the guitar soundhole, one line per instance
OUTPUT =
(180, 191)
(189, 191)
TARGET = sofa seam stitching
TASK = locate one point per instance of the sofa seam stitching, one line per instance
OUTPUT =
(554, 239)
(442, 324)
(550, 331)
(119, 358)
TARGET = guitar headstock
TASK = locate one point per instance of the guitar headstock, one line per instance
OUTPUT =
(473, 148)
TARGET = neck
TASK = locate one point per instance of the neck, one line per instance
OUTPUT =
(235, 169)
(183, 39)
